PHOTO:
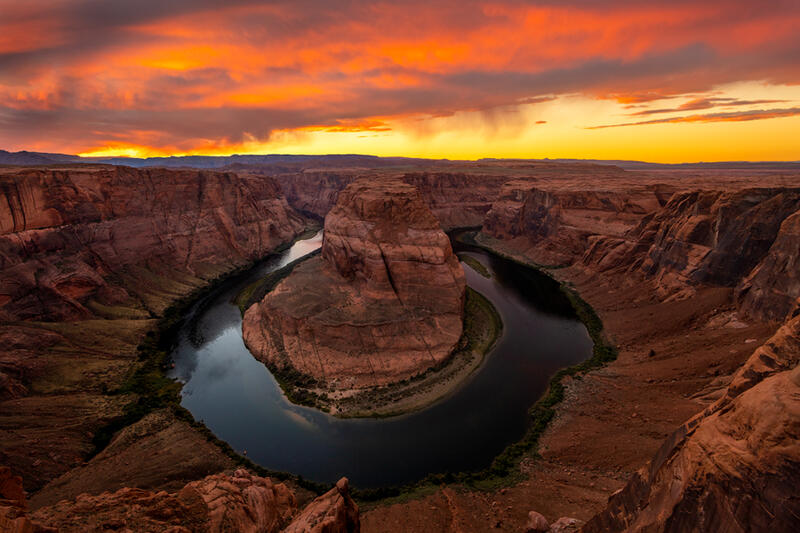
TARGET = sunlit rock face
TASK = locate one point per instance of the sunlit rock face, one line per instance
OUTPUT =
(733, 467)
(383, 302)
(79, 241)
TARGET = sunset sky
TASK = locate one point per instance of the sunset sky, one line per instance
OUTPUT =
(663, 81)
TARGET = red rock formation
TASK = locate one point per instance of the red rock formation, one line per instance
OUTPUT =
(456, 199)
(13, 518)
(240, 502)
(558, 226)
(333, 512)
(715, 238)
(733, 467)
(769, 291)
(382, 303)
(91, 242)
(85, 240)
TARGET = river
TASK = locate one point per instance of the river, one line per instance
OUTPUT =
(240, 401)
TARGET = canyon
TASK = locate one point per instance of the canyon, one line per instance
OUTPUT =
(693, 271)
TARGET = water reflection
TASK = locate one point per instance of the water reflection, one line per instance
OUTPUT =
(240, 401)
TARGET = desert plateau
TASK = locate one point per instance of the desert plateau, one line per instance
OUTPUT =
(304, 267)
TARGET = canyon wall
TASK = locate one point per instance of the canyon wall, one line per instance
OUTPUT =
(768, 292)
(744, 239)
(90, 256)
(556, 225)
(76, 243)
(457, 199)
(733, 467)
(383, 302)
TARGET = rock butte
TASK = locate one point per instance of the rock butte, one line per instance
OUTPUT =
(693, 271)
(382, 303)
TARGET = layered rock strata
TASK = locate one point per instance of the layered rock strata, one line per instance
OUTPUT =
(89, 256)
(557, 226)
(81, 242)
(769, 291)
(457, 199)
(735, 466)
(745, 239)
(383, 302)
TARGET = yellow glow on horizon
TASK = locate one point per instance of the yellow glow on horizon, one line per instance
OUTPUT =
(560, 128)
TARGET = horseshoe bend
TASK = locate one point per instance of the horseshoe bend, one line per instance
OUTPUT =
(399, 267)
(692, 282)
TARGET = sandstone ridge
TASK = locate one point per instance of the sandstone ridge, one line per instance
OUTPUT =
(383, 302)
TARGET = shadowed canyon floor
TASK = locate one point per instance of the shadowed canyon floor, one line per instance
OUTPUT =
(688, 284)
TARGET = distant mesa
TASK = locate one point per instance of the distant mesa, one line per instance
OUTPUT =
(383, 302)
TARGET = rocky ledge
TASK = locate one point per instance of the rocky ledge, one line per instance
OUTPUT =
(382, 303)
(238, 501)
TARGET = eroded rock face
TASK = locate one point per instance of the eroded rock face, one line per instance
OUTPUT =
(84, 241)
(240, 502)
(715, 238)
(557, 226)
(383, 302)
(333, 512)
(769, 291)
(13, 516)
(99, 242)
(733, 467)
(455, 199)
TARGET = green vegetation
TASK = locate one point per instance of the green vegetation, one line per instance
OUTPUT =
(146, 380)
(482, 323)
(297, 387)
(476, 265)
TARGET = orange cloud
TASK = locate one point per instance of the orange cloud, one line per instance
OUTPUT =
(733, 116)
(84, 72)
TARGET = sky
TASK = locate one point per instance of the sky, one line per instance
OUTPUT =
(664, 81)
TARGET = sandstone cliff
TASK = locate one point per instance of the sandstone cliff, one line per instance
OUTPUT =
(457, 199)
(556, 226)
(79, 242)
(733, 467)
(89, 256)
(769, 291)
(382, 303)
(715, 238)
(746, 239)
